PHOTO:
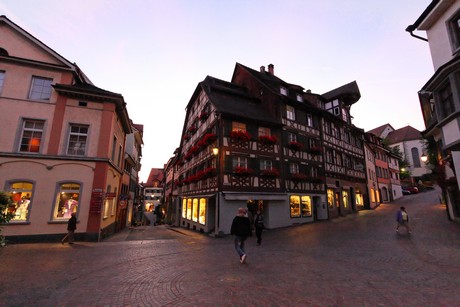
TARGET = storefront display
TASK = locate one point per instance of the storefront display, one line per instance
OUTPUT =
(194, 209)
(300, 205)
(66, 201)
(21, 194)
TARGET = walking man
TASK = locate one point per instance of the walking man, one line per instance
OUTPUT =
(71, 227)
(241, 229)
(403, 219)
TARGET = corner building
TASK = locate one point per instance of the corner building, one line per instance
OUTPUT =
(262, 143)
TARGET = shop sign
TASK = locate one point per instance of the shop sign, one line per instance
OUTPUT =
(122, 204)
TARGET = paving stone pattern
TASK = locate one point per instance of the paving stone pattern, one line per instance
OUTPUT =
(358, 260)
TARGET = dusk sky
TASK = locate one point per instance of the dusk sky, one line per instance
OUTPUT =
(155, 53)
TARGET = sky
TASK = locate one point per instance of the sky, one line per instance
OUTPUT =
(155, 52)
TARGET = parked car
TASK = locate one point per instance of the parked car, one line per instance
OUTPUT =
(411, 189)
(406, 192)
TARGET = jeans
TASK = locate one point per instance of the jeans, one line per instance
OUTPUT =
(239, 245)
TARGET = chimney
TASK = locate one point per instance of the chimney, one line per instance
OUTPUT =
(271, 69)
(262, 68)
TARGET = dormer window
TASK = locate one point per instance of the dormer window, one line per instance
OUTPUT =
(283, 91)
(333, 107)
(299, 98)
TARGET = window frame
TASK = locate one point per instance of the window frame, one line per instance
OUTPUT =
(40, 91)
(33, 130)
(61, 190)
(453, 27)
(78, 135)
(29, 194)
(2, 80)
(290, 112)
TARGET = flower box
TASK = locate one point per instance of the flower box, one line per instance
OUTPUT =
(192, 129)
(318, 179)
(298, 176)
(316, 150)
(271, 173)
(240, 135)
(242, 171)
(267, 139)
(209, 138)
(295, 145)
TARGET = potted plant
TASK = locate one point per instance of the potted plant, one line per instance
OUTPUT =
(242, 171)
(267, 139)
(270, 173)
(316, 150)
(295, 145)
(240, 135)
(298, 176)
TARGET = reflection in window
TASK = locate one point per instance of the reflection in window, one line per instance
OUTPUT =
(189, 209)
(31, 137)
(306, 205)
(21, 194)
(184, 208)
(41, 88)
(77, 140)
(202, 216)
(195, 210)
(345, 199)
(294, 202)
(67, 200)
(330, 198)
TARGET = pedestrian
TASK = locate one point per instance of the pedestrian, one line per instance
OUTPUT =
(241, 229)
(403, 219)
(259, 225)
(71, 227)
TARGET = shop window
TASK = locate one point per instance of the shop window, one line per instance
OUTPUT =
(67, 200)
(345, 199)
(31, 135)
(294, 202)
(21, 194)
(184, 208)
(306, 205)
(189, 209)
(195, 210)
(40, 89)
(77, 140)
(2, 78)
(330, 198)
(359, 199)
(202, 216)
(373, 195)
(106, 206)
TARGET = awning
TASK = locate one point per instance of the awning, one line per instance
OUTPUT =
(254, 196)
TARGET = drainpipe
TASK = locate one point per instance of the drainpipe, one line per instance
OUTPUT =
(411, 29)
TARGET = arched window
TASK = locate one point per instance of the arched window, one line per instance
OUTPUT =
(415, 157)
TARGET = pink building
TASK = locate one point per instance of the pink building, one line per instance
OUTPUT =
(62, 142)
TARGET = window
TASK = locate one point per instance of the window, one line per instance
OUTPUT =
(292, 137)
(184, 208)
(21, 195)
(446, 100)
(195, 210)
(77, 140)
(415, 156)
(240, 162)
(120, 153)
(202, 215)
(333, 107)
(31, 137)
(330, 198)
(305, 205)
(294, 202)
(41, 88)
(309, 120)
(290, 113)
(114, 148)
(189, 209)
(454, 31)
(2, 78)
(266, 165)
(299, 98)
(293, 168)
(263, 131)
(236, 126)
(345, 199)
(67, 201)
(283, 91)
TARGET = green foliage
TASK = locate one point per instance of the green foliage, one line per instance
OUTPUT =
(5, 217)
(403, 163)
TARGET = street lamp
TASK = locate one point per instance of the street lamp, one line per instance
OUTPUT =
(424, 158)
(215, 151)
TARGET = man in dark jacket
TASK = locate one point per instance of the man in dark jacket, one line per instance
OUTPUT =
(71, 227)
(241, 229)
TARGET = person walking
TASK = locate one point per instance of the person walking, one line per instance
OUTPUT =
(241, 229)
(71, 227)
(259, 225)
(403, 219)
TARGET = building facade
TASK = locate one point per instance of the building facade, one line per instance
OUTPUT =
(259, 142)
(62, 142)
(439, 99)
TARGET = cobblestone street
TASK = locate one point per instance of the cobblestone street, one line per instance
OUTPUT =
(358, 260)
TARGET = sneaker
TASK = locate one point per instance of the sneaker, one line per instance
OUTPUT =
(243, 258)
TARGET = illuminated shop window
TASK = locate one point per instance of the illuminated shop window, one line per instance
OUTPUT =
(21, 194)
(330, 198)
(107, 203)
(202, 216)
(67, 200)
(294, 202)
(306, 206)
(359, 199)
(195, 210)
(372, 195)
(189, 209)
(184, 208)
(345, 199)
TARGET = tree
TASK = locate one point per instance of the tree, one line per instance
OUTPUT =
(403, 163)
(5, 217)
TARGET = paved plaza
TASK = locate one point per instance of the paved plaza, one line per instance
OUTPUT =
(358, 260)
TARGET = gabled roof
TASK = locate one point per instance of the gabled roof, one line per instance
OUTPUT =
(348, 93)
(407, 133)
(156, 175)
(379, 130)
(233, 100)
